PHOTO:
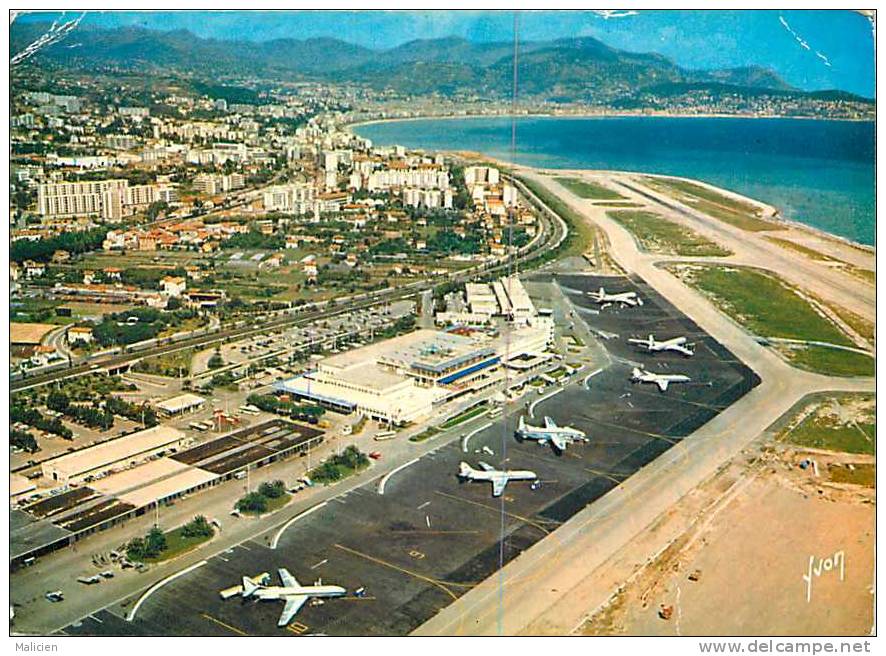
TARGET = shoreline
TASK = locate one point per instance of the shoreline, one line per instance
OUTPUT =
(778, 217)
(587, 115)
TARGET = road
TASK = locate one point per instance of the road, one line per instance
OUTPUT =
(513, 601)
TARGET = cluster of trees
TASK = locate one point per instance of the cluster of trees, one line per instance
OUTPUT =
(134, 411)
(257, 502)
(150, 546)
(42, 249)
(255, 239)
(270, 403)
(32, 417)
(116, 329)
(23, 440)
(216, 361)
(199, 527)
(340, 465)
(91, 416)
(446, 241)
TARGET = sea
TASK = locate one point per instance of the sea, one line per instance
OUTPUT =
(817, 172)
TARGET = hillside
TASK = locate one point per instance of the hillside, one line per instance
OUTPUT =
(582, 69)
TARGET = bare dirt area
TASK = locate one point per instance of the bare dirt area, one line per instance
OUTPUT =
(779, 550)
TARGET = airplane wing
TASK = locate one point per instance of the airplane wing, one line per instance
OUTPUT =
(559, 442)
(662, 384)
(293, 605)
(287, 579)
(498, 486)
(550, 423)
(486, 466)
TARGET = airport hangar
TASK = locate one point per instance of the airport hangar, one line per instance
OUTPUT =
(107, 484)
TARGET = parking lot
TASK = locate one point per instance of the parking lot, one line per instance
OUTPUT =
(430, 538)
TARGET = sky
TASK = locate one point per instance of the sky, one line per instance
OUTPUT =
(811, 50)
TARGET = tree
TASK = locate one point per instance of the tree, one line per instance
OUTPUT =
(58, 401)
(216, 361)
(272, 490)
(135, 549)
(253, 502)
(197, 527)
(155, 542)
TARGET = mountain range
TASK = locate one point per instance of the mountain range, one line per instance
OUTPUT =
(574, 69)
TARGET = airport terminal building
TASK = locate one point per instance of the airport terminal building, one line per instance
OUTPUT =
(403, 379)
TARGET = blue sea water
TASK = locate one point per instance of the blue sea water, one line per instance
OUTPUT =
(821, 173)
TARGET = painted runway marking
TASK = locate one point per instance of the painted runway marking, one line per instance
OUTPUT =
(322, 562)
(496, 511)
(297, 628)
(224, 624)
(416, 575)
(424, 505)
(97, 619)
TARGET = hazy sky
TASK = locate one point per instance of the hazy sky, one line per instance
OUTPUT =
(809, 49)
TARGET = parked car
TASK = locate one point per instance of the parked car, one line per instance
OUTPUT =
(55, 596)
(375, 455)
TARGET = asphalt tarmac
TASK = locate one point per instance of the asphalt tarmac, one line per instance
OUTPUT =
(430, 538)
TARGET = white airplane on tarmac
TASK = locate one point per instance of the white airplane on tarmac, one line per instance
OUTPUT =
(498, 477)
(674, 344)
(292, 592)
(662, 380)
(622, 298)
(550, 433)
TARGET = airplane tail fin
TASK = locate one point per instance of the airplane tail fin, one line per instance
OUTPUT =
(522, 425)
(248, 586)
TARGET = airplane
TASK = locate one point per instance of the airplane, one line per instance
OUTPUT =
(662, 380)
(292, 592)
(622, 298)
(557, 436)
(674, 344)
(498, 477)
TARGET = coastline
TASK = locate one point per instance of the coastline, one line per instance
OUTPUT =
(777, 216)
(587, 115)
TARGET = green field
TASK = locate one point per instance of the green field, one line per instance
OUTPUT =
(763, 303)
(425, 434)
(857, 474)
(735, 212)
(825, 429)
(463, 417)
(834, 362)
(658, 235)
(585, 189)
(177, 544)
(581, 236)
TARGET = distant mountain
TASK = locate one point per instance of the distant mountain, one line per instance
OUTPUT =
(582, 69)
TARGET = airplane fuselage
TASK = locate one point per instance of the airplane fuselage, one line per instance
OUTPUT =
(281, 592)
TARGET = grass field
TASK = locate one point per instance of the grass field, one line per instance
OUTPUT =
(845, 423)
(581, 236)
(658, 235)
(425, 434)
(866, 275)
(618, 203)
(864, 474)
(463, 417)
(834, 362)
(763, 303)
(177, 544)
(735, 212)
(168, 364)
(592, 190)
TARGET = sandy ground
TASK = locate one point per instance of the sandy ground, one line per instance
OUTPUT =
(751, 562)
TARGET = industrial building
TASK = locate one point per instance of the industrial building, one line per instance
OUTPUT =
(181, 404)
(113, 455)
(114, 490)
